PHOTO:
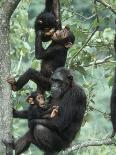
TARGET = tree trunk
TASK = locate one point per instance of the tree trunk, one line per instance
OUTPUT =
(6, 11)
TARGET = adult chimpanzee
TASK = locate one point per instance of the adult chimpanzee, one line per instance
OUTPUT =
(113, 98)
(52, 58)
(53, 135)
(49, 20)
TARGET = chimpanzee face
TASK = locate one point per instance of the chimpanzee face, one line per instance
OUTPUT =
(45, 21)
(36, 98)
(59, 84)
(40, 100)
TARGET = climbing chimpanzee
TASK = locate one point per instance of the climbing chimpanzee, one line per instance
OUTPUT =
(53, 135)
(52, 58)
(49, 20)
(113, 98)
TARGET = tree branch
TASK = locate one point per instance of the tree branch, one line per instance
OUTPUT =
(106, 5)
(98, 62)
(104, 113)
(9, 6)
(86, 42)
(100, 142)
(78, 14)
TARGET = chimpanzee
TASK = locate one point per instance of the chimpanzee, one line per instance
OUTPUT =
(113, 98)
(49, 20)
(53, 135)
(52, 58)
(37, 109)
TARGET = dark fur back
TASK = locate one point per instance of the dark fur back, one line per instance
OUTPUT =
(77, 98)
(113, 96)
(74, 105)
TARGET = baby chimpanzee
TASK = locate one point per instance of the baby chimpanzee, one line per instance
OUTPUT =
(36, 110)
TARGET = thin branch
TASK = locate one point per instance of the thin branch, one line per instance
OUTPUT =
(100, 142)
(98, 62)
(104, 113)
(86, 42)
(9, 6)
(107, 5)
(19, 64)
(96, 11)
(81, 16)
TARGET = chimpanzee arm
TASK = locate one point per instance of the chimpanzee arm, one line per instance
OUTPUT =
(20, 114)
(46, 114)
(56, 12)
(40, 52)
(48, 5)
(38, 45)
(58, 123)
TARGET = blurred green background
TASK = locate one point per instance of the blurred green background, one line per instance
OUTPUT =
(95, 78)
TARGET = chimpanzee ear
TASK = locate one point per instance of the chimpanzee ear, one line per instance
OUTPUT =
(30, 100)
(68, 45)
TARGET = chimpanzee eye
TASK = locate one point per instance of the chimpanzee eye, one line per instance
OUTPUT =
(59, 82)
(40, 21)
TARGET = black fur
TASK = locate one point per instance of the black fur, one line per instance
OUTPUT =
(72, 106)
(52, 58)
(48, 18)
(53, 135)
(113, 98)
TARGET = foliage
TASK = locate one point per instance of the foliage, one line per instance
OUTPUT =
(95, 78)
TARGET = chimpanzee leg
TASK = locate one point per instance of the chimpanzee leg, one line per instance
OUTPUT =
(47, 140)
(35, 76)
(23, 143)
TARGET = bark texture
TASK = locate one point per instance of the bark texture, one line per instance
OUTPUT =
(6, 9)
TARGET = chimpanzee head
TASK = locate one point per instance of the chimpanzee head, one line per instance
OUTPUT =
(36, 98)
(64, 36)
(61, 80)
(45, 21)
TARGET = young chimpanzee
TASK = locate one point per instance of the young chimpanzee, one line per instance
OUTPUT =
(53, 135)
(52, 58)
(49, 20)
(113, 98)
(36, 110)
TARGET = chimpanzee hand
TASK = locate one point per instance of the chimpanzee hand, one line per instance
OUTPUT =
(12, 81)
(14, 112)
(54, 112)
